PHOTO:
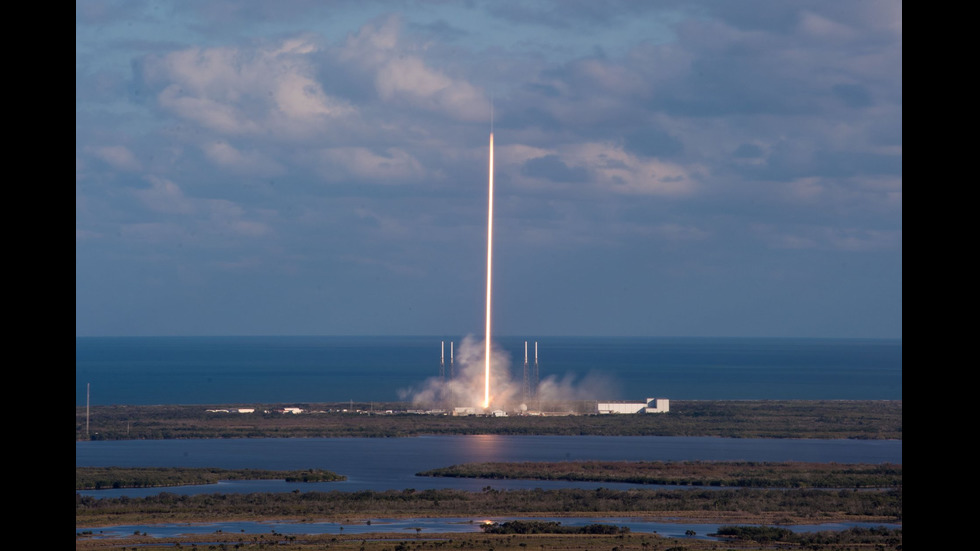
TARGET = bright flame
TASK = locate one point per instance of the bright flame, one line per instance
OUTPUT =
(467, 387)
(486, 389)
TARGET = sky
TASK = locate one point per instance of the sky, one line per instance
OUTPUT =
(671, 168)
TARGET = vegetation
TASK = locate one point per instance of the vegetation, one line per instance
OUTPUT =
(748, 474)
(879, 536)
(739, 505)
(879, 539)
(97, 478)
(733, 419)
(721, 505)
(802, 495)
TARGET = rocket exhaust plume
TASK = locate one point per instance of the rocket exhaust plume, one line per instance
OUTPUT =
(467, 387)
(473, 376)
(486, 386)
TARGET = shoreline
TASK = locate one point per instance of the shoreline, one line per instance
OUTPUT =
(666, 517)
(808, 419)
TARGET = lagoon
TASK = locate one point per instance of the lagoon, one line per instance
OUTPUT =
(391, 463)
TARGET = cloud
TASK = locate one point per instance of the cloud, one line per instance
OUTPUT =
(824, 28)
(855, 240)
(551, 167)
(165, 196)
(651, 141)
(410, 80)
(748, 151)
(599, 166)
(680, 233)
(568, 14)
(207, 216)
(389, 166)
(84, 235)
(358, 145)
(252, 163)
(117, 156)
(402, 77)
(239, 91)
(613, 169)
(153, 232)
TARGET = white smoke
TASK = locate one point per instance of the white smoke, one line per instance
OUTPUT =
(465, 388)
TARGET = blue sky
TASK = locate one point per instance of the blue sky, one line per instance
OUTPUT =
(320, 168)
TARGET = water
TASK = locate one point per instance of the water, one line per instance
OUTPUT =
(236, 370)
(391, 463)
(233, 370)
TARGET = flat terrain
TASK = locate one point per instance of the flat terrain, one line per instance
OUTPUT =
(739, 474)
(733, 419)
(876, 540)
(97, 478)
(792, 506)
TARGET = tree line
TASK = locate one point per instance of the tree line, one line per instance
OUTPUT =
(97, 478)
(749, 474)
(791, 504)
(877, 536)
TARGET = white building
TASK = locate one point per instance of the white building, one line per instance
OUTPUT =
(657, 405)
(652, 405)
(620, 407)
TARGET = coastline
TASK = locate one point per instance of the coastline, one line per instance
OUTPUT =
(822, 419)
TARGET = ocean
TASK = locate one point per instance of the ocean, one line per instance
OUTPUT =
(312, 369)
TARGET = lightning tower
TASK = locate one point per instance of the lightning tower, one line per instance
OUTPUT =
(537, 378)
(452, 375)
(526, 389)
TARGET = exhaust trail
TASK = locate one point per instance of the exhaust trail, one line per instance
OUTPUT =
(486, 388)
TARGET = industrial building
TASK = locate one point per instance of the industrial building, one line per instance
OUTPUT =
(652, 405)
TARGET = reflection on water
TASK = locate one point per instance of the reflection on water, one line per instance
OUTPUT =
(483, 447)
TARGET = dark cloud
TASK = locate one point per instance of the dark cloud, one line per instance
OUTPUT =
(725, 85)
(652, 142)
(565, 14)
(790, 162)
(528, 117)
(856, 163)
(747, 151)
(853, 95)
(439, 30)
(546, 90)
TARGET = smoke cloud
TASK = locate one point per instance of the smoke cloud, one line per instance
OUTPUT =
(466, 385)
